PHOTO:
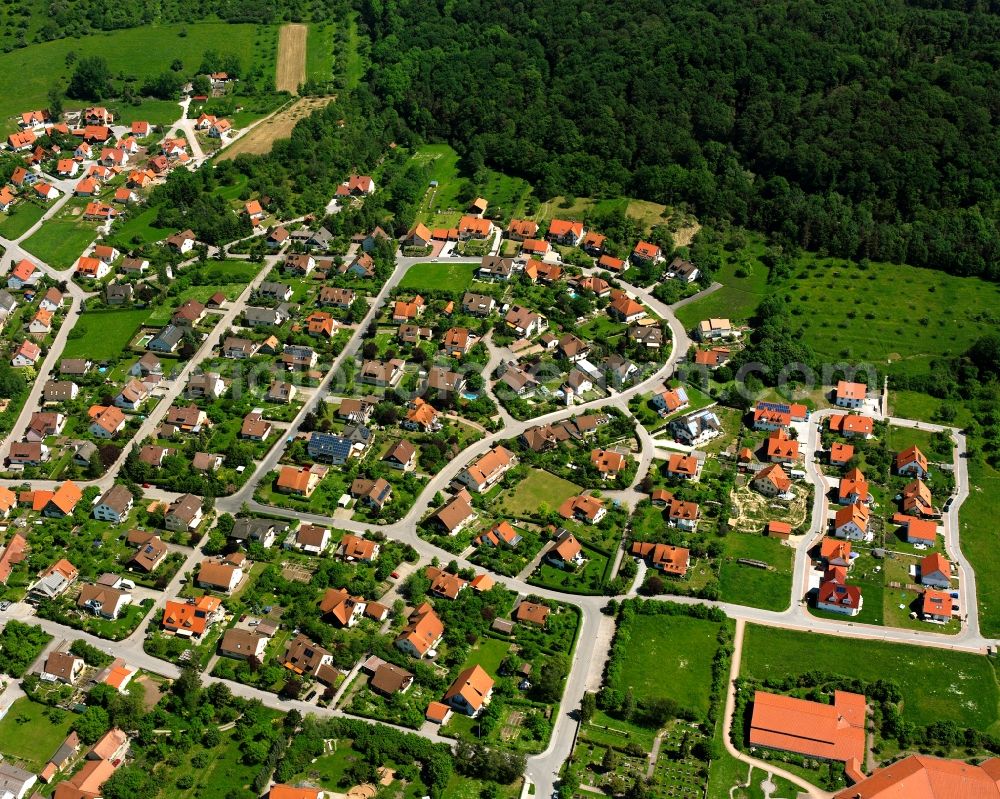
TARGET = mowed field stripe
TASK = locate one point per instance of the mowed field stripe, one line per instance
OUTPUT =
(291, 67)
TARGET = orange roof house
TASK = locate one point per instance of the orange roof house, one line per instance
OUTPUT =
(13, 554)
(851, 522)
(190, 618)
(23, 270)
(474, 227)
(419, 235)
(608, 462)
(911, 461)
(64, 499)
(626, 309)
(8, 499)
(840, 453)
(444, 583)
(300, 481)
(293, 792)
(583, 507)
(421, 415)
(831, 732)
(354, 547)
(781, 448)
(772, 480)
(668, 559)
(594, 242)
(532, 613)
(849, 395)
(645, 251)
(438, 712)
(835, 552)
(935, 570)
(565, 550)
(535, 246)
(917, 499)
(422, 633)
(565, 231)
(853, 488)
(781, 530)
(916, 530)
(851, 425)
(471, 691)
(521, 229)
(923, 777)
(683, 466)
(936, 605)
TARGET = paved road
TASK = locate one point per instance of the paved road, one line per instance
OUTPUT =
(596, 630)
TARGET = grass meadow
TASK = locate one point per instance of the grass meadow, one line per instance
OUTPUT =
(64, 237)
(759, 588)
(21, 216)
(977, 522)
(736, 300)
(105, 334)
(538, 488)
(937, 684)
(680, 646)
(441, 206)
(27, 74)
(28, 732)
(440, 277)
(319, 51)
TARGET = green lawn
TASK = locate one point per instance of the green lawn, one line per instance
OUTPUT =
(355, 67)
(441, 206)
(606, 730)
(27, 74)
(61, 240)
(21, 217)
(588, 579)
(319, 51)
(330, 769)
(155, 112)
(977, 519)
(937, 315)
(105, 334)
(736, 300)
(538, 488)
(579, 207)
(679, 646)
(488, 653)
(225, 773)
(441, 276)
(466, 788)
(840, 310)
(32, 732)
(747, 585)
(915, 405)
(937, 685)
(900, 438)
(139, 229)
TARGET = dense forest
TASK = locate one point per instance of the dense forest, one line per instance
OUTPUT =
(863, 127)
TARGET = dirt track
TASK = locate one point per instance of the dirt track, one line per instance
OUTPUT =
(260, 140)
(291, 70)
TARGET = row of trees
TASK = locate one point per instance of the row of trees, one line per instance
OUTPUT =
(63, 18)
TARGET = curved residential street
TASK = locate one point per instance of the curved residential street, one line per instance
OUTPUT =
(596, 629)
